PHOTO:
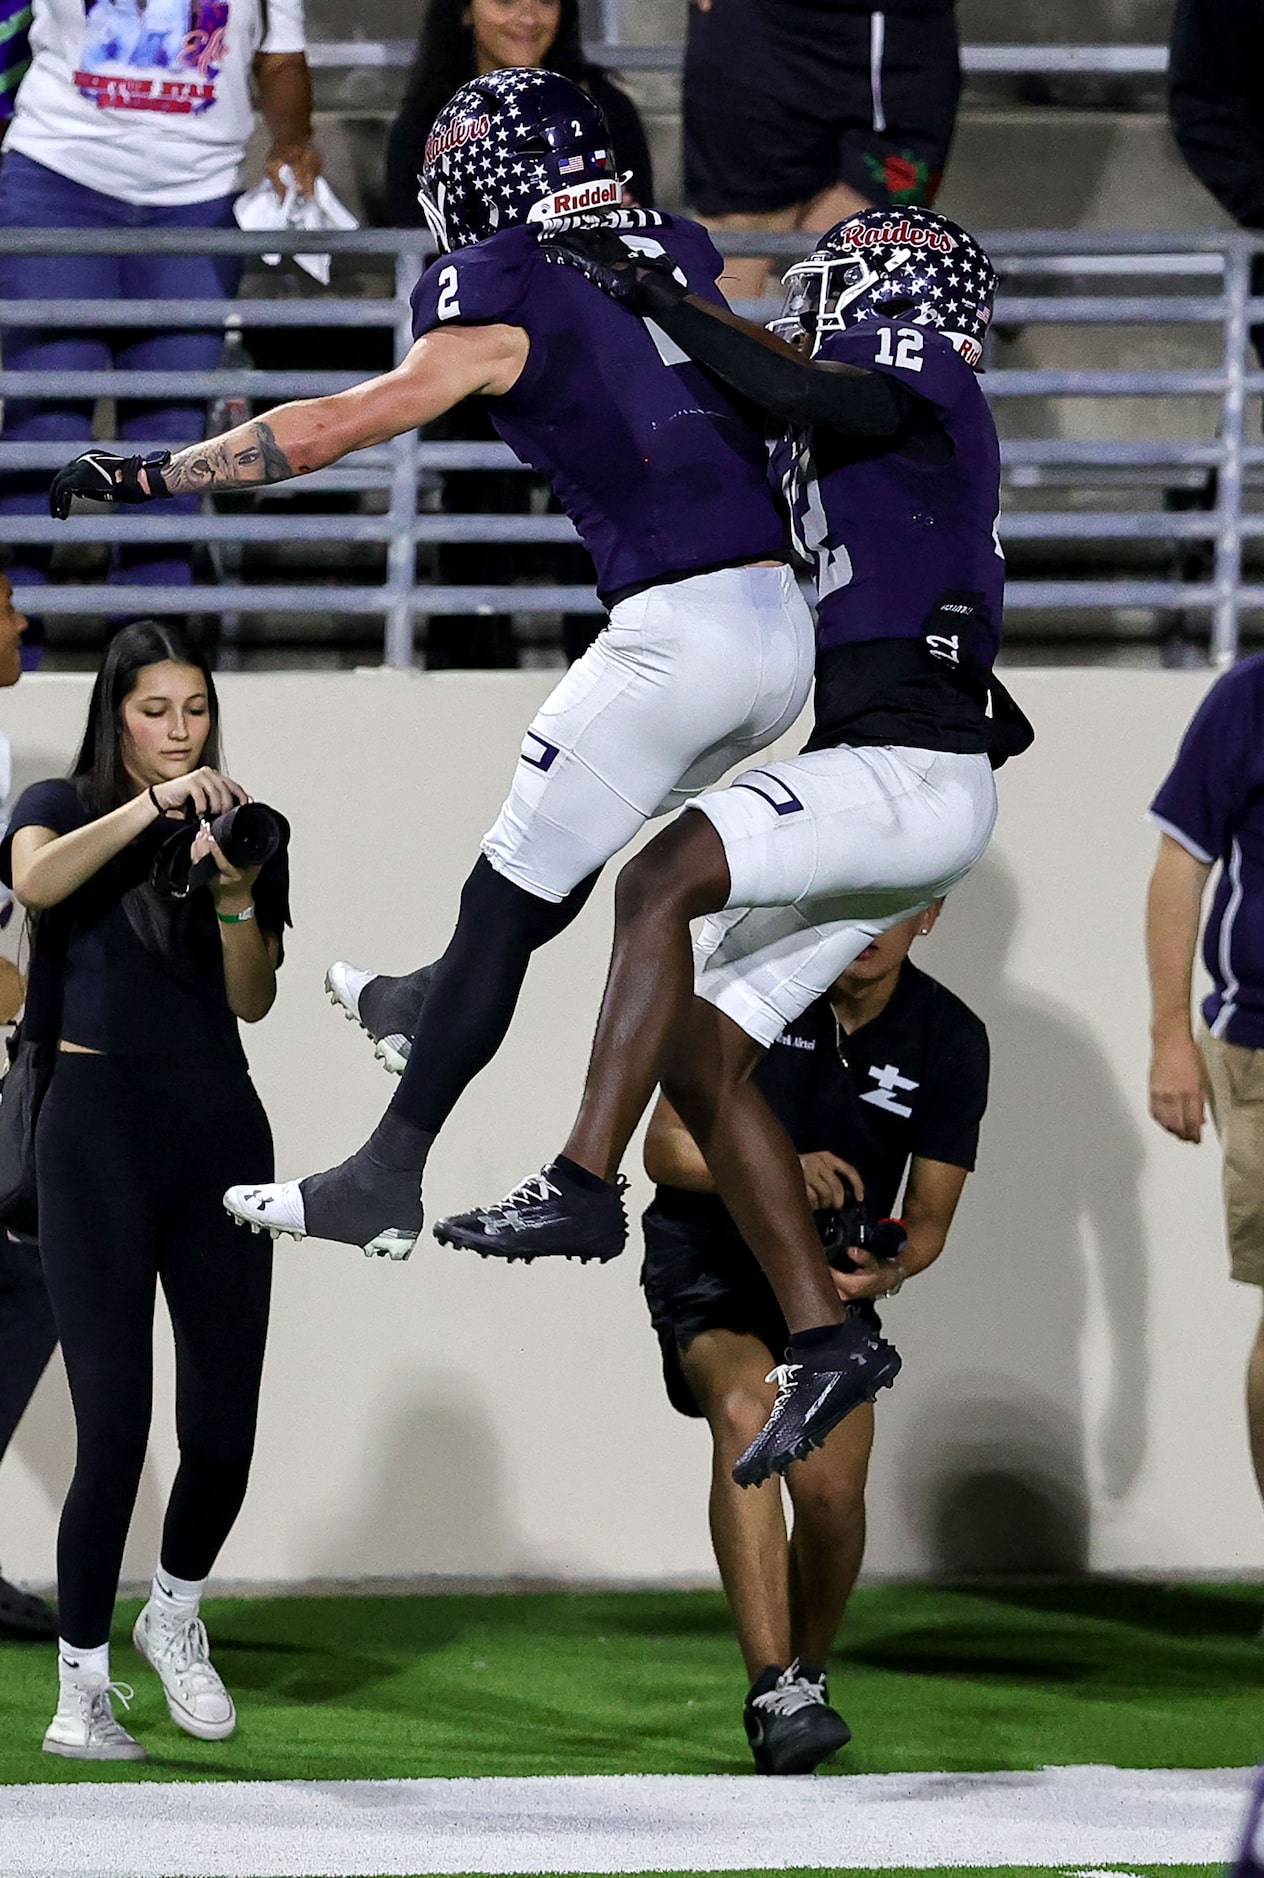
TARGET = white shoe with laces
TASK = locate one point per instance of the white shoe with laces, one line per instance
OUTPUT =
(84, 1727)
(176, 1647)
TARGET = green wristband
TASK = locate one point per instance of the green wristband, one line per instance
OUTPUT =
(234, 919)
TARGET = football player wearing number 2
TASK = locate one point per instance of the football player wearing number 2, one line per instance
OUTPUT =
(890, 469)
(708, 654)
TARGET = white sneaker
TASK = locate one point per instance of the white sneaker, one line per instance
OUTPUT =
(176, 1647)
(84, 1728)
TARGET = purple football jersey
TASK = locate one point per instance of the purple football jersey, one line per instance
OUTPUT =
(890, 533)
(1212, 802)
(658, 470)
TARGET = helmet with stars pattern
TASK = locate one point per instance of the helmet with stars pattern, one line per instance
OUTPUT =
(898, 264)
(518, 145)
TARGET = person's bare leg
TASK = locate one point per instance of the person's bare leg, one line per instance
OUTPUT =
(828, 1494)
(706, 1078)
(681, 875)
(726, 1373)
(745, 277)
(832, 205)
(1255, 1405)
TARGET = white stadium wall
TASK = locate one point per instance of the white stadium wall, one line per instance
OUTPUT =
(1072, 1385)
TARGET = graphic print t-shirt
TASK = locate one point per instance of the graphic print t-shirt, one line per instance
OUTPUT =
(147, 100)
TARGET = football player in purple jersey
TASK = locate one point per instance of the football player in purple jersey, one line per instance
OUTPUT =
(891, 471)
(708, 654)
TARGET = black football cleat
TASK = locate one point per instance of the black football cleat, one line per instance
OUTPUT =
(815, 1394)
(548, 1216)
(790, 1724)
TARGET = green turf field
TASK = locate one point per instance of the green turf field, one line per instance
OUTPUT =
(964, 1679)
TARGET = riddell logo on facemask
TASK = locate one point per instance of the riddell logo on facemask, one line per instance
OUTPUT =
(900, 234)
(606, 194)
(464, 130)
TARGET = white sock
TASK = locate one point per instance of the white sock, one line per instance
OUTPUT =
(72, 1664)
(176, 1594)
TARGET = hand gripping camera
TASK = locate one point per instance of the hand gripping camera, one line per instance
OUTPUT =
(851, 1225)
(246, 836)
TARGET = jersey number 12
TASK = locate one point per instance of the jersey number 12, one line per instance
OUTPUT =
(908, 349)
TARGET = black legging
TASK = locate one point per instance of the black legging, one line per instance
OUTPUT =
(473, 989)
(132, 1158)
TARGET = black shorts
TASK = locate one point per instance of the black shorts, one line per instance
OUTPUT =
(783, 99)
(697, 1279)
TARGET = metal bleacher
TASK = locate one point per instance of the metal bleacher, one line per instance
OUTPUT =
(1119, 369)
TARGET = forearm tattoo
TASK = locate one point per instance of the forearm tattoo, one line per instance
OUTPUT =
(241, 458)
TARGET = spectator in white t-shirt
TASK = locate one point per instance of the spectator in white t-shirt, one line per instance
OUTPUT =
(135, 114)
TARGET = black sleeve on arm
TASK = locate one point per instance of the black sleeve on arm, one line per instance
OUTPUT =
(1216, 121)
(54, 804)
(953, 1098)
(799, 392)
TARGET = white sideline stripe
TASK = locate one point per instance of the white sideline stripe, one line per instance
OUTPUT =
(1060, 1816)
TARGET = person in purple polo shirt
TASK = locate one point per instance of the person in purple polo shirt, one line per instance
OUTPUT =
(1210, 811)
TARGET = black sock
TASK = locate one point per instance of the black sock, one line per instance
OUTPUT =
(820, 1336)
(579, 1176)
(811, 1672)
(767, 1679)
(396, 1144)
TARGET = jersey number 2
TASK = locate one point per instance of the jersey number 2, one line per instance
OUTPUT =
(449, 307)
(908, 349)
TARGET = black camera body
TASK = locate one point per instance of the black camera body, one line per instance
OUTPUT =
(247, 836)
(852, 1225)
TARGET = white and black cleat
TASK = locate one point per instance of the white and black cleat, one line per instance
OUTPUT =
(357, 1203)
(387, 1010)
(814, 1395)
(275, 1208)
(548, 1216)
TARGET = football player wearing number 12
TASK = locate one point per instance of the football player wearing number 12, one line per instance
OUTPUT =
(891, 472)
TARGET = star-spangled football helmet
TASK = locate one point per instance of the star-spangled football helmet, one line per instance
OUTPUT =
(518, 145)
(905, 264)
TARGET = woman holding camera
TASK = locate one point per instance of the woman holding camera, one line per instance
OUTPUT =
(150, 1113)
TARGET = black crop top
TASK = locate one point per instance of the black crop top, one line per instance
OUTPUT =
(132, 976)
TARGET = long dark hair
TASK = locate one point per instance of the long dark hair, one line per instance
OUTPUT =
(446, 59)
(98, 772)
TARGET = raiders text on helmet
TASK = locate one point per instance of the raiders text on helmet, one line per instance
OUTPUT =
(519, 145)
(900, 264)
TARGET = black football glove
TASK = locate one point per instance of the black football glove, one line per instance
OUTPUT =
(645, 283)
(102, 477)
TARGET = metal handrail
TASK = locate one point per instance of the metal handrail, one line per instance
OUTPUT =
(1095, 61)
(1063, 260)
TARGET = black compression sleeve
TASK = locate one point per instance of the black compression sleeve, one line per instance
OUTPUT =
(851, 401)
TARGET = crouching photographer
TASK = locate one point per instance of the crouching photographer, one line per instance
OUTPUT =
(881, 1085)
(158, 905)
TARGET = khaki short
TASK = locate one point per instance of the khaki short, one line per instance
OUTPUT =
(1235, 1077)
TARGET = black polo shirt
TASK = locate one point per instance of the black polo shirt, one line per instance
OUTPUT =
(912, 1082)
